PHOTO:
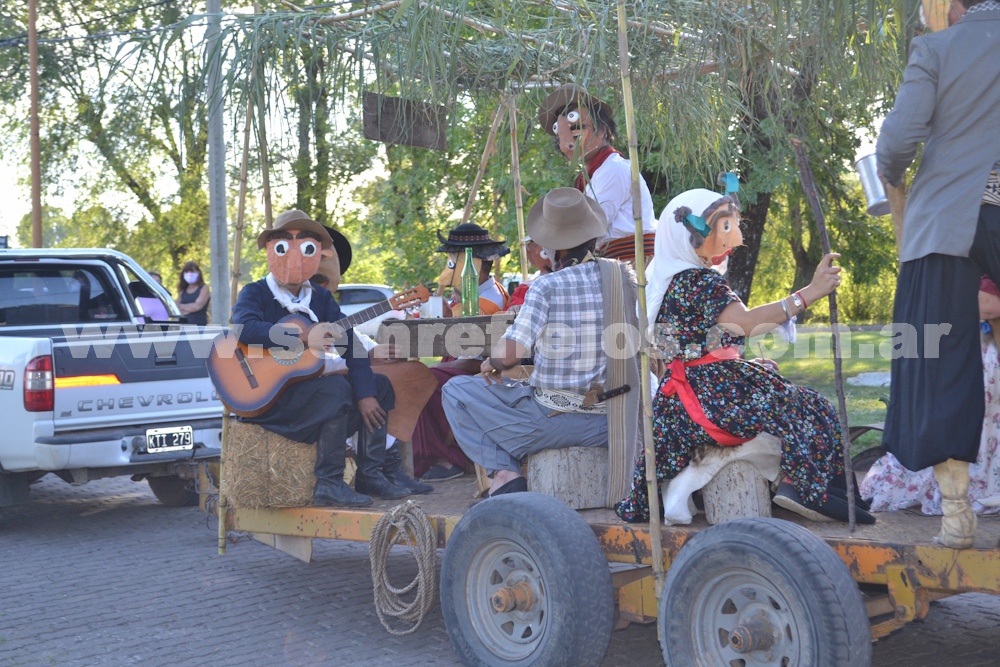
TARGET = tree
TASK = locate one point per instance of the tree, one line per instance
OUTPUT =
(141, 122)
(716, 87)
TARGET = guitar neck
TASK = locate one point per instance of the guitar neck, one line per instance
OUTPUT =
(363, 316)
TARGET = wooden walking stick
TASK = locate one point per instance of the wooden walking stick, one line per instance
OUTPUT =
(809, 187)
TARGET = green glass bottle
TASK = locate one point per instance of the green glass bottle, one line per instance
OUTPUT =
(470, 286)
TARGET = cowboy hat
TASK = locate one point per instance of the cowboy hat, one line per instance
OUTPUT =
(565, 218)
(342, 246)
(295, 219)
(471, 235)
(562, 97)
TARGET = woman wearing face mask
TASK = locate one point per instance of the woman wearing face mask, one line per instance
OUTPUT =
(193, 294)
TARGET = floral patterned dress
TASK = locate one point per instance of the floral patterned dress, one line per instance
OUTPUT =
(739, 396)
(889, 486)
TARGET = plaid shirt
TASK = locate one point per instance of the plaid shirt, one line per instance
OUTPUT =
(561, 323)
(989, 5)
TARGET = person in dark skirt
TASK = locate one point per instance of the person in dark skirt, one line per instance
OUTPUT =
(329, 408)
(949, 101)
(193, 294)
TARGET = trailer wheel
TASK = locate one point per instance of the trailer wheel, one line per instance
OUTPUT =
(525, 582)
(762, 592)
(173, 491)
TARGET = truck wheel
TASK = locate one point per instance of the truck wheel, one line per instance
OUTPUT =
(173, 491)
(525, 582)
(762, 592)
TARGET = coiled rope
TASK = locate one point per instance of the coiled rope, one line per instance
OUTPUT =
(404, 524)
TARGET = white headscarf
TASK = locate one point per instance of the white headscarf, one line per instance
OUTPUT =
(673, 250)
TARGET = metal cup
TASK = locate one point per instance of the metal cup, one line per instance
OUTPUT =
(878, 203)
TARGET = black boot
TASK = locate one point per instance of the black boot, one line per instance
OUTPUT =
(371, 457)
(393, 471)
(331, 457)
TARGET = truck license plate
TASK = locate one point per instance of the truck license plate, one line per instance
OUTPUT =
(169, 439)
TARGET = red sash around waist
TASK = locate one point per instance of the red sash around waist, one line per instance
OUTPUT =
(623, 249)
(678, 384)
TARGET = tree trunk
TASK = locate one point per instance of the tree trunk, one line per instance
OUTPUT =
(806, 255)
(743, 263)
(321, 170)
(303, 162)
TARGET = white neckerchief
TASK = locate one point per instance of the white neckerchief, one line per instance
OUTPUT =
(290, 302)
(490, 290)
(673, 251)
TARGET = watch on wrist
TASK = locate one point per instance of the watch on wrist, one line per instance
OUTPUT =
(799, 303)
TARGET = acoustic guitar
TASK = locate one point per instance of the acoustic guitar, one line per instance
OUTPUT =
(250, 378)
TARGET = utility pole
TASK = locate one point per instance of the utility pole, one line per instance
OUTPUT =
(36, 146)
(218, 227)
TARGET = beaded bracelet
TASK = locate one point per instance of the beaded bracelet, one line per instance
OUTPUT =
(784, 307)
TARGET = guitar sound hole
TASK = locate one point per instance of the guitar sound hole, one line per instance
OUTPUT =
(286, 357)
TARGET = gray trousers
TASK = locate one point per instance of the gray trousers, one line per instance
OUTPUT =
(496, 425)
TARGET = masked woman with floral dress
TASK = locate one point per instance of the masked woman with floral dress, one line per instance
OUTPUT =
(710, 396)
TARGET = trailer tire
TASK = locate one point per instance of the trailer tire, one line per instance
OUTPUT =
(173, 491)
(761, 592)
(524, 582)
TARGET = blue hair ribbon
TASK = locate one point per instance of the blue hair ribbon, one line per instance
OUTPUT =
(697, 223)
(731, 182)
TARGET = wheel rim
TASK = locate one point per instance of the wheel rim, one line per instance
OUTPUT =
(743, 619)
(507, 602)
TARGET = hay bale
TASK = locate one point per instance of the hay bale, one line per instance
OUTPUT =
(262, 469)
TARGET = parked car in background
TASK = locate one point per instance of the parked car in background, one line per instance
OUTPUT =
(93, 383)
(355, 298)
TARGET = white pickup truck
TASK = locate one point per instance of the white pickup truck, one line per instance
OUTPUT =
(95, 381)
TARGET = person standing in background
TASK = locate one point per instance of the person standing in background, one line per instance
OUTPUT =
(193, 294)
(949, 101)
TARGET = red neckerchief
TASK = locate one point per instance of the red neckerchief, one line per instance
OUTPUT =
(593, 164)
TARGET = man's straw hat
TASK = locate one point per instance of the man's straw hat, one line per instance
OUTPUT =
(565, 218)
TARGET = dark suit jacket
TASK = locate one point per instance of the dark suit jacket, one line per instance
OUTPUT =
(257, 310)
(949, 101)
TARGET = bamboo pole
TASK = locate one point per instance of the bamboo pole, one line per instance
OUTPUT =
(655, 537)
(241, 205)
(488, 149)
(265, 160)
(515, 168)
(237, 249)
(809, 187)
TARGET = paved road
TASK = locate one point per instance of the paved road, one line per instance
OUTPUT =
(103, 575)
